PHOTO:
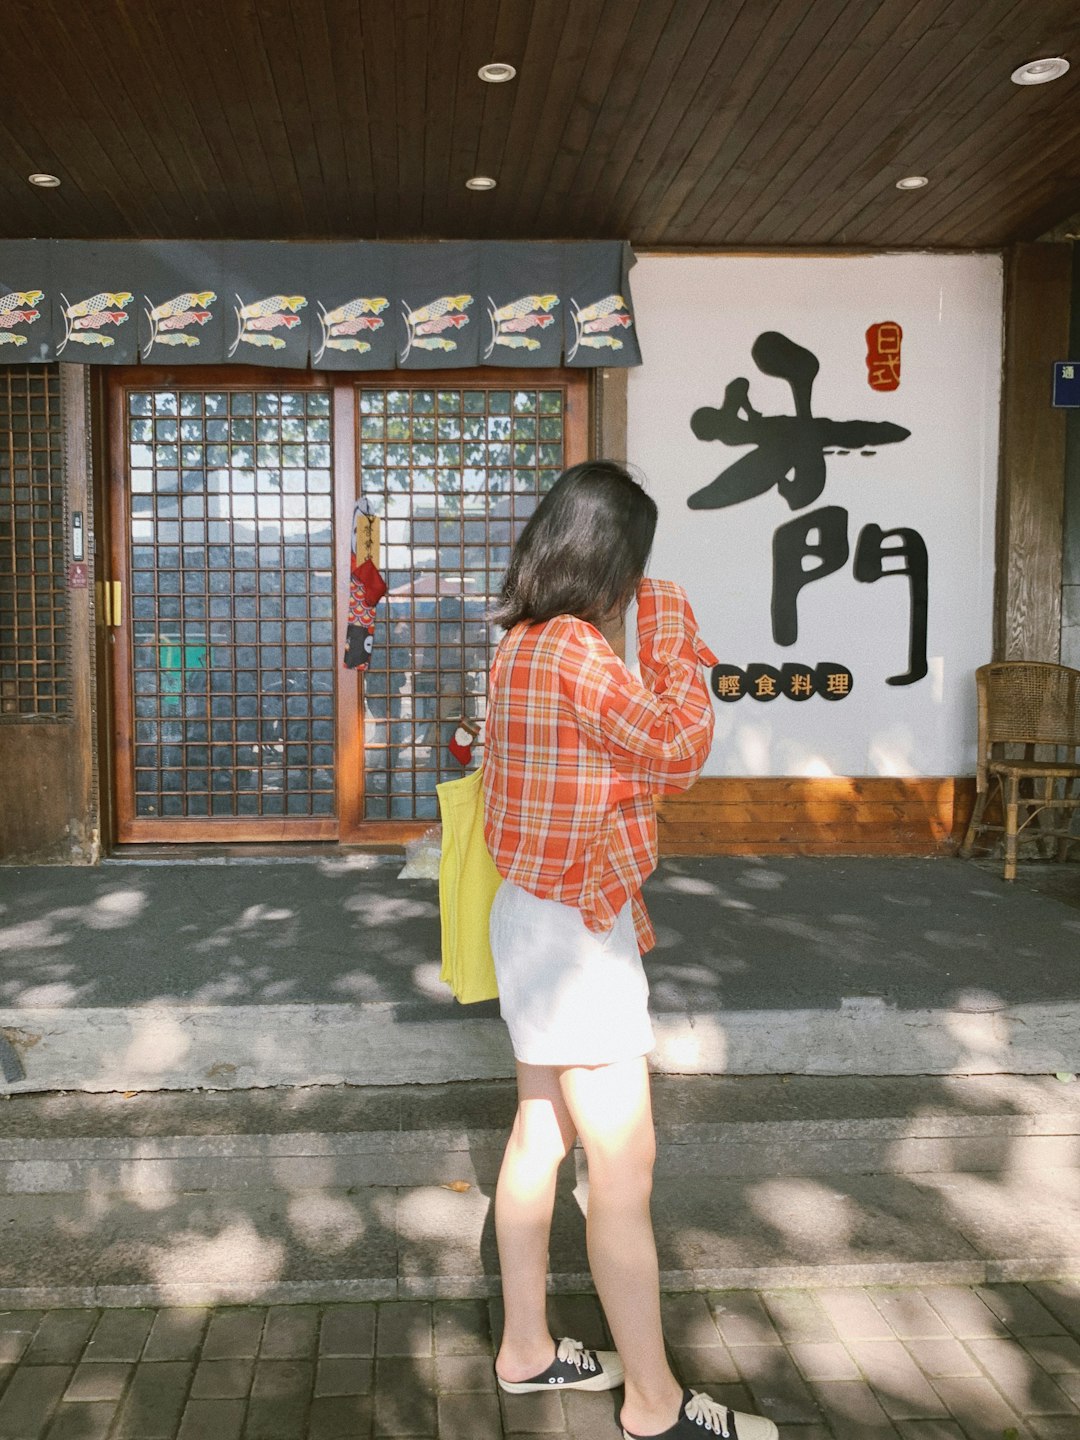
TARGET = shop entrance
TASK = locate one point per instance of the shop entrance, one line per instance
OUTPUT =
(231, 514)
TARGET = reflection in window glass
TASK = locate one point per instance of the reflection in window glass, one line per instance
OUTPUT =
(215, 688)
(34, 677)
(455, 474)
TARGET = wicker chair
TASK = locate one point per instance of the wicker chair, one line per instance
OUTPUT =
(1024, 705)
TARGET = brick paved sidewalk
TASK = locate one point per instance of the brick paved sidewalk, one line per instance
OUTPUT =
(939, 1363)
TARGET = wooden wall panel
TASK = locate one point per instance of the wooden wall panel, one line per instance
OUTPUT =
(1032, 491)
(802, 816)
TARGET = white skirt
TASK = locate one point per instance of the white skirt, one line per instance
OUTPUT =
(568, 996)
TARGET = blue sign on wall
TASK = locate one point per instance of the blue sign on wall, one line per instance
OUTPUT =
(1067, 384)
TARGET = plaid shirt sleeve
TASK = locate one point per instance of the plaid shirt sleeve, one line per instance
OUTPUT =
(659, 733)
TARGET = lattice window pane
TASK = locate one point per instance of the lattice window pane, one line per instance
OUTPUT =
(231, 537)
(34, 679)
(455, 474)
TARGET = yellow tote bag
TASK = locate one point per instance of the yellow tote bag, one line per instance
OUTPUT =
(468, 881)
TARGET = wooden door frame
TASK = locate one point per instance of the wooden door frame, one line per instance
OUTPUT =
(583, 413)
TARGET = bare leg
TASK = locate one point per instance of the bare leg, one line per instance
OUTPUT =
(611, 1108)
(540, 1140)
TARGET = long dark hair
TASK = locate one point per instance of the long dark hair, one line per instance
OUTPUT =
(584, 549)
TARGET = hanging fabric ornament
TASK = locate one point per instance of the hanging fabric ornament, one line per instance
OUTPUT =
(366, 587)
(461, 742)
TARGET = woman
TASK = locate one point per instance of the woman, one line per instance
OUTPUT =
(575, 749)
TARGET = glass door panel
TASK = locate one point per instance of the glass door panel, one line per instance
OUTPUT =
(227, 672)
(455, 472)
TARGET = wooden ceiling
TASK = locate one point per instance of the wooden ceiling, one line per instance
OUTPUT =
(750, 123)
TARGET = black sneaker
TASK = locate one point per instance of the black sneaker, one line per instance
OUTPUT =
(700, 1412)
(574, 1368)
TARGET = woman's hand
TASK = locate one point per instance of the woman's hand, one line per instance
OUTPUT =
(667, 598)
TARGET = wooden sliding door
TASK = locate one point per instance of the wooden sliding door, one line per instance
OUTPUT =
(226, 588)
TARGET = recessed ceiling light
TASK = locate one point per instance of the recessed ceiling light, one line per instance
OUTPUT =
(497, 73)
(46, 181)
(912, 182)
(481, 182)
(1039, 72)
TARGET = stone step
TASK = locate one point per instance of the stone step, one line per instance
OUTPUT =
(342, 1138)
(388, 1158)
(322, 1244)
(349, 1193)
(190, 1047)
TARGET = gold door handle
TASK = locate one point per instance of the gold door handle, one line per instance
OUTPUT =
(111, 596)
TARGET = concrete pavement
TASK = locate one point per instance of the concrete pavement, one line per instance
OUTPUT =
(996, 1362)
(370, 1194)
(291, 971)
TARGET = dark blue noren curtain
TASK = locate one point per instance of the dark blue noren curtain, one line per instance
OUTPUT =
(359, 305)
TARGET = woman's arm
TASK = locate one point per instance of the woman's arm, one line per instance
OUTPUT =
(658, 733)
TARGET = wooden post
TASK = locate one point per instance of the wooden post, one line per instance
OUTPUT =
(1027, 611)
(1070, 588)
(609, 415)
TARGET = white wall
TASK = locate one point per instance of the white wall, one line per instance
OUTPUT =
(698, 319)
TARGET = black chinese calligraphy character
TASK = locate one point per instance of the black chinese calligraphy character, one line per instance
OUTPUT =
(871, 552)
(820, 536)
(789, 449)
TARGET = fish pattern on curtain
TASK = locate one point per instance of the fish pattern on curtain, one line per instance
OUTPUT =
(358, 305)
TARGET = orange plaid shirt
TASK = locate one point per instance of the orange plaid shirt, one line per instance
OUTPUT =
(575, 748)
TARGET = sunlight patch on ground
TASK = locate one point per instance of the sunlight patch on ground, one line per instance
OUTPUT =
(328, 1223)
(787, 1203)
(248, 923)
(691, 1042)
(979, 1002)
(983, 1038)
(32, 935)
(388, 909)
(753, 878)
(431, 1213)
(359, 986)
(116, 908)
(691, 885)
(427, 980)
(158, 1045)
(260, 914)
(221, 991)
(990, 1208)
(48, 997)
(346, 864)
(148, 1184)
(235, 1255)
